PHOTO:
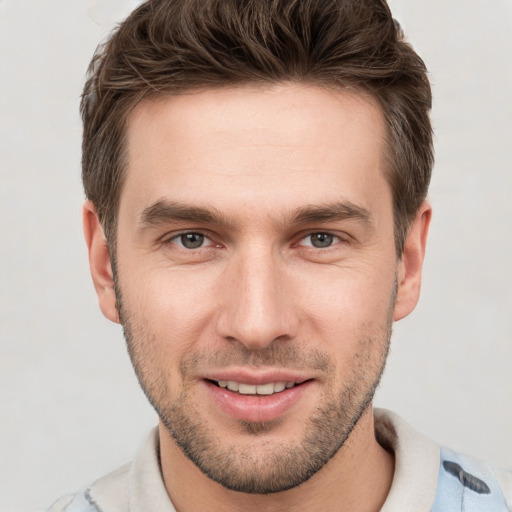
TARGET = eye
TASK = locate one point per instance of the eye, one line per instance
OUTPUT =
(320, 240)
(190, 240)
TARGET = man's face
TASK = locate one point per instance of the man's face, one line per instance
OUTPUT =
(256, 251)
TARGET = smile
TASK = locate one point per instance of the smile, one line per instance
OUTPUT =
(257, 398)
(255, 389)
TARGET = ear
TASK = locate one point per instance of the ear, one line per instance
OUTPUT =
(411, 264)
(99, 262)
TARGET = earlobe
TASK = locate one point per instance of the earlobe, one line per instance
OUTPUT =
(99, 262)
(411, 264)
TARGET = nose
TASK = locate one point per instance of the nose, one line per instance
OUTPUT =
(257, 301)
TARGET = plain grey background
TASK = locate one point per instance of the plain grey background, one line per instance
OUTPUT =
(70, 407)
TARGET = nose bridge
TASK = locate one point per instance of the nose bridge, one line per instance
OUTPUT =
(257, 308)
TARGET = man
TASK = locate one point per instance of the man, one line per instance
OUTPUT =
(256, 174)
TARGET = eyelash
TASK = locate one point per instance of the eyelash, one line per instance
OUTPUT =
(178, 237)
(336, 239)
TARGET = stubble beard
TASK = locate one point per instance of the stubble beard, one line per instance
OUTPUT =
(262, 470)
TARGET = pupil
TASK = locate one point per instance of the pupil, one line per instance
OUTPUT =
(321, 240)
(192, 240)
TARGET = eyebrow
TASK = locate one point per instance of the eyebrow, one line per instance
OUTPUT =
(165, 211)
(331, 212)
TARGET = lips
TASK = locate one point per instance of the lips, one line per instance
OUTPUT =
(256, 398)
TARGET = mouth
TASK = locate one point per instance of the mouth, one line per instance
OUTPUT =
(257, 399)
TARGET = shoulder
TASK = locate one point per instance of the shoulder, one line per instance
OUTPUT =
(73, 503)
(136, 486)
(434, 479)
(469, 484)
(114, 485)
(504, 479)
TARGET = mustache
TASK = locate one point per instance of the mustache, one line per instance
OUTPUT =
(279, 355)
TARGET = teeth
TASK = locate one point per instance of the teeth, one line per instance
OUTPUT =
(247, 389)
(279, 386)
(233, 386)
(253, 389)
(265, 389)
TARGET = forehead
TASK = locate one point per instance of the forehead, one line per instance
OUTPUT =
(269, 148)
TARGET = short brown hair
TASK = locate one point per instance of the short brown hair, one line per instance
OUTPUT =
(170, 46)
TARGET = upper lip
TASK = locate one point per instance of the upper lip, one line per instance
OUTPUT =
(257, 377)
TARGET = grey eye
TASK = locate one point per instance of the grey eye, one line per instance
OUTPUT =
(191, 240)
(321, 240)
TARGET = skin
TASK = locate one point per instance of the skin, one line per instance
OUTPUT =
(257, 298)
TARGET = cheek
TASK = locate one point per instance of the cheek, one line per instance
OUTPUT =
(175, 306)
(348, 306)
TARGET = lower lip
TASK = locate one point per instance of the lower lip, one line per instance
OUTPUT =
(256, 408)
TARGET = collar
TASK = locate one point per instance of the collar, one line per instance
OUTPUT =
(139, 486)
(416, 464)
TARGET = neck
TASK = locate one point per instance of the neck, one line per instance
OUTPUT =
(356, 479)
